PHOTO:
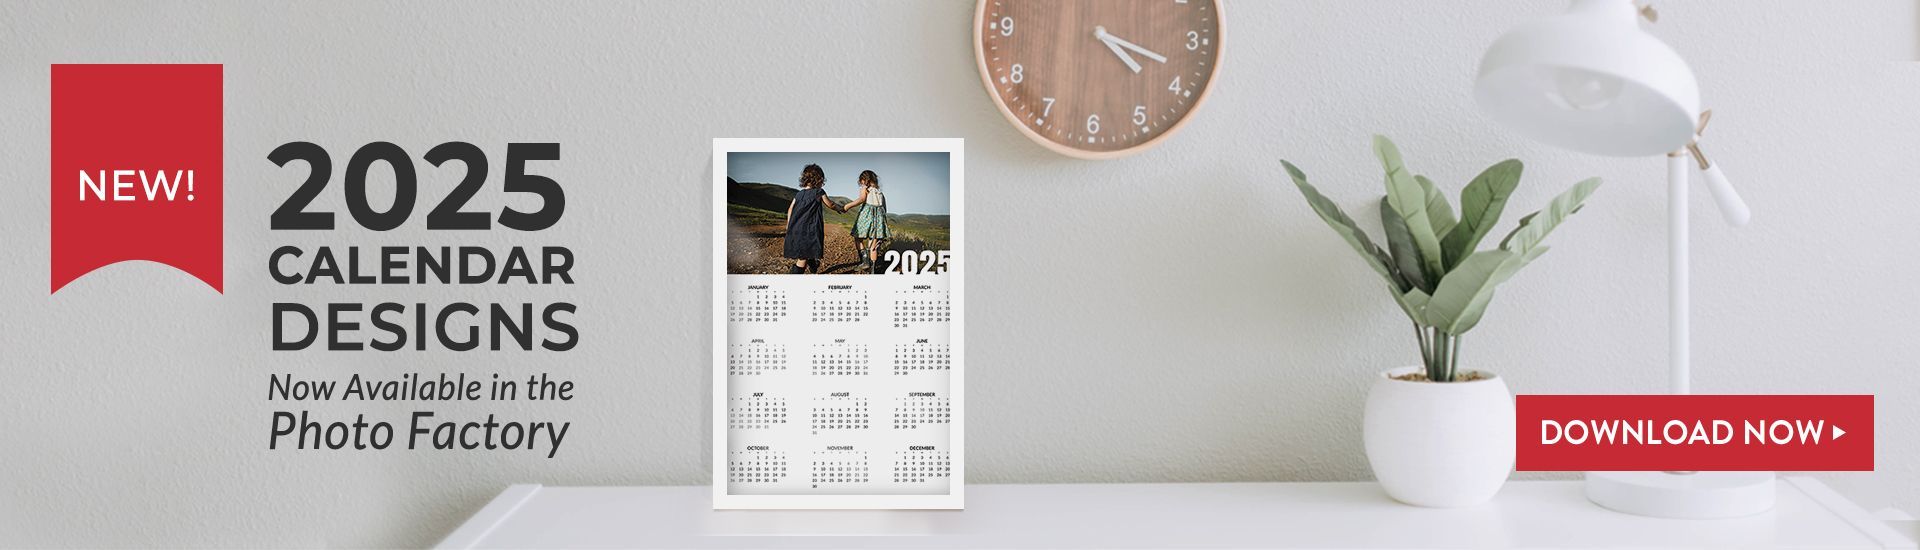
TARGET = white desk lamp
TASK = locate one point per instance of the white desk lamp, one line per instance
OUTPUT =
(1590, 80)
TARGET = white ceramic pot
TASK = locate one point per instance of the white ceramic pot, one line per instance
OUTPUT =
(1440, 445)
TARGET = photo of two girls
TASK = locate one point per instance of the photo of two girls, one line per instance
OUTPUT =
(805, 228)
(806, 231)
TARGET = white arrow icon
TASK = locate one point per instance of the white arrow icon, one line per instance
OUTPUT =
(1837, 432)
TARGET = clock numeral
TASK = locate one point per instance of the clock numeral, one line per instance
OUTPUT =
(1175, 86)
(1139, 115)
(1049, 109)
(1006, 26)
(1193, 41)
(1019, 74)
(1093, 124)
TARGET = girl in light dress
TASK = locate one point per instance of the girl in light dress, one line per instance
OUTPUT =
(870, 222)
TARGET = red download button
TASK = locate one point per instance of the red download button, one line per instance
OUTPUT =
(1694, 432)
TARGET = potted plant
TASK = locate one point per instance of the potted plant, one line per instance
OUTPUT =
(1436, 435)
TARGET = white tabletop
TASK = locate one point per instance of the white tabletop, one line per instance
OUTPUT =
(1193, 515)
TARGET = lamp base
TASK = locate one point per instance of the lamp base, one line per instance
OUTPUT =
(1696, 495)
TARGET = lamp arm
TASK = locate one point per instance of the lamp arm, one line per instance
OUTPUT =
(1732, 207)
(1679, 308)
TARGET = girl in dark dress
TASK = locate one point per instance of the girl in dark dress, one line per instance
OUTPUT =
(806, 230)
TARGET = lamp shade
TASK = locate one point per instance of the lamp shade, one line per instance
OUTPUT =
(1590, 80)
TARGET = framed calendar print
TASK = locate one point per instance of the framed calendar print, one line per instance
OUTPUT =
(838, 355)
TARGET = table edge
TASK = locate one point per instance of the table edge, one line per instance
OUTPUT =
(474, 531)
(496, 512)
(1850, 512)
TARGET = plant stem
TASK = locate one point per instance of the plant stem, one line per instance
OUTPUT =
(1426, 342)
(1426, 354)
(1436, 369)
(1453, 361)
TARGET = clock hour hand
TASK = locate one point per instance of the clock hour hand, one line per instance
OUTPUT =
(1131, 64)
(1111, 40)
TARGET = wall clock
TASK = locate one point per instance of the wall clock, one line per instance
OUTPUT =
(1097, 79)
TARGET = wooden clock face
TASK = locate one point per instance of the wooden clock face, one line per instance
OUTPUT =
(1098, 78)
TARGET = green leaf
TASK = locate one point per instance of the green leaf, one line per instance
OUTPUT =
(1338, 220)
(1414, 302)
(1406, 256)
(1481, 204)
(1438, 211)
(1524, 220)
(1409, 199)
(1462, 297)
(1535, 227)
(1536, 253)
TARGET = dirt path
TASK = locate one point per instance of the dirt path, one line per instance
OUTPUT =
(761, 248)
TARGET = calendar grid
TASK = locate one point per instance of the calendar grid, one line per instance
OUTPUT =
(845, 400)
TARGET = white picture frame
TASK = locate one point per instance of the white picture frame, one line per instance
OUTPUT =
(723, 498)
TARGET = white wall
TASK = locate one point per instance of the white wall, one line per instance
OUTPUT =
(1177, 316)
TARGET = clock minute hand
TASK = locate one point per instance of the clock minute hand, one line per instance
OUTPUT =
(1131, 64)
(1112, 40)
